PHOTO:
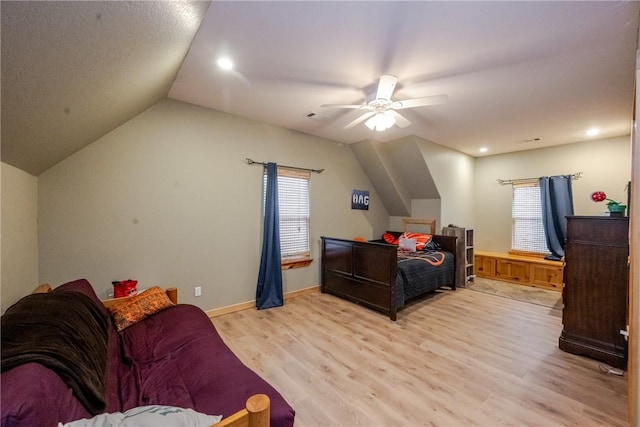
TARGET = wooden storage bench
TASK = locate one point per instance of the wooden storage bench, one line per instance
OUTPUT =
(526, 270)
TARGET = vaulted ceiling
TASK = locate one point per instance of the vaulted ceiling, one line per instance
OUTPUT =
(518, 75)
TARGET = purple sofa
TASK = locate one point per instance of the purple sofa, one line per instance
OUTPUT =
(174, 358)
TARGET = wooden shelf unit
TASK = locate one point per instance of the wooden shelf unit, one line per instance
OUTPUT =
(525, 270)
(469, 255)
(464, 248)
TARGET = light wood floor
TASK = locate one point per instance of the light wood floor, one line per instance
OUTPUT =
(458, 358)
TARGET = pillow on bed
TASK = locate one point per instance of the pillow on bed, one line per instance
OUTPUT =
(139, 307)
(390, 238)
(420, 238)
(407, 244)
(432, 246)
(149, 416)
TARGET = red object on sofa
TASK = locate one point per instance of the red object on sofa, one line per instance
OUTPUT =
(125, 288)
(174, 358)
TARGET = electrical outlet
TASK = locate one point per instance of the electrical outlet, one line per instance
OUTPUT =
(198, 291)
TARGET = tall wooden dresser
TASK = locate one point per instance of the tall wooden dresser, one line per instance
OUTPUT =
(595, 288)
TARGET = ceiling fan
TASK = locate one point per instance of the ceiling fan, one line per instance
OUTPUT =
(382, 112)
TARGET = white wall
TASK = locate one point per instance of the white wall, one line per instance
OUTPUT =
(19, 201)
(428, 208)
(168, 199)
(605, 164)
(453, 174)
(449, 177)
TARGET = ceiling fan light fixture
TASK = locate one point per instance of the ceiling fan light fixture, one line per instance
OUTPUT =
(381, 109)
(380, 122)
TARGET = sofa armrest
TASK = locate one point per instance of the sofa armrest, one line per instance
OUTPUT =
(255, 414)
(42, 289)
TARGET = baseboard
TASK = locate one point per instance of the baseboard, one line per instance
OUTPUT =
(252, 304)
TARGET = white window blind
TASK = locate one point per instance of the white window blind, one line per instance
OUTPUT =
(293, 204)
(527, 232)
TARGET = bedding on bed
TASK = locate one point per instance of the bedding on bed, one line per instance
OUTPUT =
(422, 271)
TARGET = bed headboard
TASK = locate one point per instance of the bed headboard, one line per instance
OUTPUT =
(431, 223)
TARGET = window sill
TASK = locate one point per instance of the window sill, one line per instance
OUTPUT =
(296, 263)
(527, 253)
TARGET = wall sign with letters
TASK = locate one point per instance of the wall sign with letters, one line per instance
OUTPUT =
(360, 200)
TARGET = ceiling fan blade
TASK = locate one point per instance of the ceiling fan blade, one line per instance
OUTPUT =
(419, 102)
(386, 86)
(401, 121)
(344, 106)
(360, 119)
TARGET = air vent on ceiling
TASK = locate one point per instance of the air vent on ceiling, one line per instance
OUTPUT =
(315, 116)
(528, 141)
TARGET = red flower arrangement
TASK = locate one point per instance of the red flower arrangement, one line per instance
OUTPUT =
(600, 196)
(615, 208)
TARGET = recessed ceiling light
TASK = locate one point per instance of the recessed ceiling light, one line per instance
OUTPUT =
(225, 63)
(484, 149)
(593, 132)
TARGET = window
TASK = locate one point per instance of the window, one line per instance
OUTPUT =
(527, 231)
(293, 204)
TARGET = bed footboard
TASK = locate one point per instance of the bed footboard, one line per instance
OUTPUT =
(361, 272)
(365, 272)
(448, 243)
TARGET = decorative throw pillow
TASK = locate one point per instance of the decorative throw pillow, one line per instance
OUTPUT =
(139, 307)
(149, 416)
(420, 238)
(407, 244)
(390, 238)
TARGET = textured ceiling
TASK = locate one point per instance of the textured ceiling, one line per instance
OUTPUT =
(74, 71)
(513, 71)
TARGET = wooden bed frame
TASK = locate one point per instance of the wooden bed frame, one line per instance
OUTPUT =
(365, 272)
(257, 411)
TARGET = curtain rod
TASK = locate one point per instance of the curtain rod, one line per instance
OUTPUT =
(574, 177)
(251, 162)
